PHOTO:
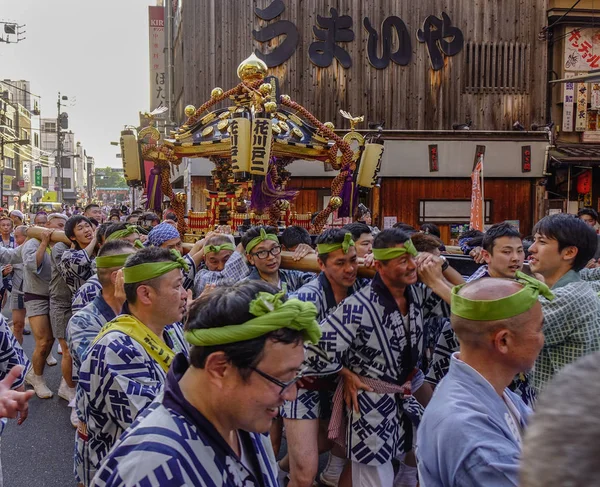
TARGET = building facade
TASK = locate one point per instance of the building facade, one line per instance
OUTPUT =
(441, 100)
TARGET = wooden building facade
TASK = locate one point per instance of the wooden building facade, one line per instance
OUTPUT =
(488, 73)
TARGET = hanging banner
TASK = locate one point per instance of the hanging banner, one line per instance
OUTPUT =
(156, 25)
(582, 99)
(568, 105)
(595, 96)
(261, 146)
(477, 207)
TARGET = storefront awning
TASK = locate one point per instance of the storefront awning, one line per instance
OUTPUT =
(576, 155)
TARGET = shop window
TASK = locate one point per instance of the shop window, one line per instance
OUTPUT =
(449, 211)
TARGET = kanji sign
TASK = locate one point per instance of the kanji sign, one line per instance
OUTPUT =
(38, 175)
(582, 50)
(156, 26)
(287, 47)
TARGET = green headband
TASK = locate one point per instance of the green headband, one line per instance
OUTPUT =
(129, 230)
(271, 314)
(151, 270)
(110, 261)
(261, 238)
(326, 248)
(217, 248)
(503, 308)
(393, 252)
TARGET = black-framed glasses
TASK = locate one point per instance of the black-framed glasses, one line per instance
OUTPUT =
(263, 254)
(284, 385)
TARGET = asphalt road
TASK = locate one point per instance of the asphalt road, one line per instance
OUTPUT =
(40, 451)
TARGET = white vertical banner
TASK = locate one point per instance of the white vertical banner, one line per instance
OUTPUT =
(568, 104)
(156, 24)
(582, 100)
(595, 96)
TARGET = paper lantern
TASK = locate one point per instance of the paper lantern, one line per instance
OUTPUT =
(240, 144)
(132, 161)
(370, 164)
(584, 182)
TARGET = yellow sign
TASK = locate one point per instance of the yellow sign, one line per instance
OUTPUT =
(7, 183)
(50, 196)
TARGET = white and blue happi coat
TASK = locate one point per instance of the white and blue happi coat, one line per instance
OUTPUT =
(86, 293)
(11, 354)
(368, 335)
(76, 267)
(292, 280)
(172, 444)
(84, 326)
(117, 380)
(308, 404)
(470, 436)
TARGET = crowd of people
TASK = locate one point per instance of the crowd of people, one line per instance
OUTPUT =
(177, 364)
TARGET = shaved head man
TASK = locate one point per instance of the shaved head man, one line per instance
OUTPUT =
(471, 430)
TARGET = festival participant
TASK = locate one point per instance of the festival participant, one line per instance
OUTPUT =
(132, 219)
(263, 251)
(337, 258)
(502, 251)
(293, 236)
(589, 216)
(563, 245)
(17, 218)
(16, 296)
(560, 447)
(123, 231)
(149, 220)
(40, 219)
(426, 242)
(7, 241)
(206, 429)
(76, 265)
(225, 263)
(166, 236)
(362, 236)
(60, 313)
(470, 434)
(37, 272)
(93, 213)
(374, 340)
(125, 367)
(86, 323)
(431, 229)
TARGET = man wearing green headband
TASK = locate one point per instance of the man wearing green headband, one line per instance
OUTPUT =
(306, 418)
(263, 251)
(375, 341)
(207, 428)
(225, 263)
(124, 368)
(471, 431)
(86, 323)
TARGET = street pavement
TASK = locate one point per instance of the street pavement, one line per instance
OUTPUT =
(40, 451)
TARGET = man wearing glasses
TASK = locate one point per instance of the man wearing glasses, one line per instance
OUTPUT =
(207, 428)
(263, 251)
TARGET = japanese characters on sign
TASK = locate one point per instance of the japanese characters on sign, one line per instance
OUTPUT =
(582, 50)
(156, 16)
(568, 105)
(581, 116)
(332, 32)
(526, 158)
(261, 146)
(240, 144)
(433, 158)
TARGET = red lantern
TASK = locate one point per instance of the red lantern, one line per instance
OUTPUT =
(584, 182)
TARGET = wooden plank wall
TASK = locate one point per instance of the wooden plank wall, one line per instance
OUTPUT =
(198, 199)
(512, 199)
(217, 34)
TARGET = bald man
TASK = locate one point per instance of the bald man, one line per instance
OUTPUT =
(471, 431)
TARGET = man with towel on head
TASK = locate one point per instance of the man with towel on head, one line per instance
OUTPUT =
(207, 427)
(126, 365)
(470, 434)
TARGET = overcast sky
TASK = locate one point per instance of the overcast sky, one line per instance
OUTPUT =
(94, 51)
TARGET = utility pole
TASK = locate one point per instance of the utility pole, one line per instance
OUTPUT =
(58, 151)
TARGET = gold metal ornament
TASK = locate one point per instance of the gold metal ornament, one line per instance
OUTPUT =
(189, 110)
(252, 69)
(216, 93)
(207, 131)
(222, 125)
(335, 202)
(275, 128)
(270, 106)
(297, 132)
(284, 126)
(285, 98)
(265, 89)
(329, 125)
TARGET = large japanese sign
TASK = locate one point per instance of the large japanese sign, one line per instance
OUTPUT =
(156, 17)
(334, 30)
(582, 50)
